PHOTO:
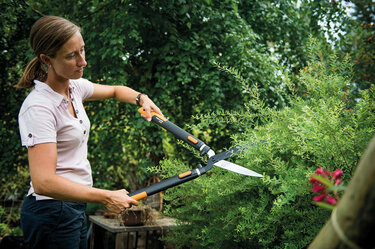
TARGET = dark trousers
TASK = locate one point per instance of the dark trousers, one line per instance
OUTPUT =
(54, 224)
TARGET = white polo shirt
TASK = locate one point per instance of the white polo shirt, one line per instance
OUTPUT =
(44, 118)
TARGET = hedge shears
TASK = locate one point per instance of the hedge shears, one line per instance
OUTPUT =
(213, 160)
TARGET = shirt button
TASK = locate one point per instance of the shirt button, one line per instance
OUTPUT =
(77, 111)
(84, 132)
(30, 135)
(72, 99)
(81, 121)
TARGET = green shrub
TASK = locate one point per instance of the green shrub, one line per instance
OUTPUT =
(226, 210)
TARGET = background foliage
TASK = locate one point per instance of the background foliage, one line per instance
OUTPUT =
(171, 50)
(227, 210)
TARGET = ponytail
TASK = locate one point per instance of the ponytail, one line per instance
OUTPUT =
(34, 70)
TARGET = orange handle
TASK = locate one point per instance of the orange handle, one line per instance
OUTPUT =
(153, 114)
(139, 196)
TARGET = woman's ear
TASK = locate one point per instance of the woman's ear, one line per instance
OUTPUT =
(45, 59)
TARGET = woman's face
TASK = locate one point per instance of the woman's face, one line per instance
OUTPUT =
(69, 60)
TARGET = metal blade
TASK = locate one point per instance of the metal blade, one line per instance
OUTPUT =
(236, 168)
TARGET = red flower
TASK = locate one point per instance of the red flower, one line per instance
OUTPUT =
(319, 171)
(318, 188)
(337, 174)
(322, 172)
(323, 186)
(320, 197)
(338, 182)
(331, 200)
(314, 180)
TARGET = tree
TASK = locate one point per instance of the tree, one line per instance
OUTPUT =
(167, 50)
(359, 41)
(285, 26)
(14, 30)
(225, 210)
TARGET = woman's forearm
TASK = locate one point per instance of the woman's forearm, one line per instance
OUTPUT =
(120, 93)
(125, 94)
(42, 162)
(61, 188)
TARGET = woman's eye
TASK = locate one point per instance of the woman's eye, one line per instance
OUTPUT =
(73, 55)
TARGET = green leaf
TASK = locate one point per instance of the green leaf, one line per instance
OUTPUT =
(324, 205)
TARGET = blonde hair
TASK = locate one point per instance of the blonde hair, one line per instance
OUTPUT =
(47, 36)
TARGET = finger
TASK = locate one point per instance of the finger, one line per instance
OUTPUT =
(133, 202)
(157, 110)
(130, 203)
(148, 113)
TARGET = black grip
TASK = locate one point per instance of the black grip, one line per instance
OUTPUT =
(180, 133)
(163, 185)
(177, 131)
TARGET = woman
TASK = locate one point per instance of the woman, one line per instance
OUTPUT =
(55, 129)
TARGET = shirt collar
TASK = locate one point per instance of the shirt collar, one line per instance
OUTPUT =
(56, 97)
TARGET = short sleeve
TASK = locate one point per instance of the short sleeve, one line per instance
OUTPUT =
(37, 125)
(85, 88)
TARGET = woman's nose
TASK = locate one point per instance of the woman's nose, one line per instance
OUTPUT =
(81, 61)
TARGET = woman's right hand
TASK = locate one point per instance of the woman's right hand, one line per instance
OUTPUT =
(118, 201)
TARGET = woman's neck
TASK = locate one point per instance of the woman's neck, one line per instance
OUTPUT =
(60, 86)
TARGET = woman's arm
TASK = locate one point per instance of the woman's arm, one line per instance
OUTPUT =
(42, 162)
(124, 94)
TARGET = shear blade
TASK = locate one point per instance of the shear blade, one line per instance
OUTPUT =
(236, 168)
